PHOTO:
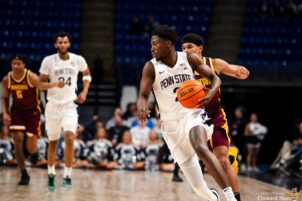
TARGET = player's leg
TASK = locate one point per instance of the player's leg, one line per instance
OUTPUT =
(220, 145)
(51, 157)
(69, 137)
(52, 153)
(182, 152)
(18, 128)
(53, 127)
(33, 129)
(19, 137)
(176, 176)
(69, 123)
(31, 143)
(193, 174)
(198, 139)
(222, 155)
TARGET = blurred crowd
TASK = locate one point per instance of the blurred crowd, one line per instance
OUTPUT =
(125, 142)
(281, 8)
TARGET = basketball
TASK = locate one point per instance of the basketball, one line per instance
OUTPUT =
(190, 92)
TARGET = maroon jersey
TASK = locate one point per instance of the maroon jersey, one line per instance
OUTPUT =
(220, 135)
(25, 95)
(214, 105)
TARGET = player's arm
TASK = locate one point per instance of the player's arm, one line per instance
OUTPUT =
(5, 101)
(148, 76)
(86, 84)
(235, 71)
(197, 65)
(43, 85)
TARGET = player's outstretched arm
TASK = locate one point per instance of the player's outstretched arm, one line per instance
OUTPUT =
(5, 101)
(197, 65)
(232, 70)
(148, 76)
(86, 84)
(43, 85)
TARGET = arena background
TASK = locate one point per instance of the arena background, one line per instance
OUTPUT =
(266, 41)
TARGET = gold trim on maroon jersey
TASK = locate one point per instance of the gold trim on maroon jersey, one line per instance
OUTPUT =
(225, 126)
(9, 80)
(38, 100)
(21, 79)
(28, 80)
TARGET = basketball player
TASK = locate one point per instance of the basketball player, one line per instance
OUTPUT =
(184, 130)
(23, 117)
(61, 111)
(220, 141)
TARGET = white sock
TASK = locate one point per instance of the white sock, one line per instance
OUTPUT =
(229, 194)
(51, 170)
(67, 171)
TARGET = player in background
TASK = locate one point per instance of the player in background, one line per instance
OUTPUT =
(23, 117)
(61, 110)
(220, 141)
(184, 130)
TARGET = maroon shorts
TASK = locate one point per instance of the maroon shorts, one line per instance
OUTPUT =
(220, 135)
(26, 120)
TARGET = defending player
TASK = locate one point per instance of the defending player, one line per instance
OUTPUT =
(220, 141)
(23, 117)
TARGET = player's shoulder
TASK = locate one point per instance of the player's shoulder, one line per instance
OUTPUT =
(5, 78)
(150, 66)
(76, 56)
(49, 58)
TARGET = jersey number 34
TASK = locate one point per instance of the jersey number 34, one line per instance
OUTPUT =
(68, 80)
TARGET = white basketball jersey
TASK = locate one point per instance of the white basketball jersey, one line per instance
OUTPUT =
(63, 70)
(167, 81)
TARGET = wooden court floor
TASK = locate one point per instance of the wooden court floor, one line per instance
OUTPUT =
(94, 185)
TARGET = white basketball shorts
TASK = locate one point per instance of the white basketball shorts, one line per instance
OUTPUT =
(176, 133)
(59, 116)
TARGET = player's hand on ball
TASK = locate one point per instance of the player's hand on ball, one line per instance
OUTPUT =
(81, 97)
(205, 100)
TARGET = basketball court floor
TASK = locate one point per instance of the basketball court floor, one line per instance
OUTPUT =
(91, 185)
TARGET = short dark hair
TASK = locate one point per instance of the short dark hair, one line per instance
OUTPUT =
(61, 34)
(19, 57)
(166, 32)
(193, 38)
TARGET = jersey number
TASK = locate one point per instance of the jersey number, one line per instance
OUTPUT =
(68, 81)
(175, 91)
(19, 94)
